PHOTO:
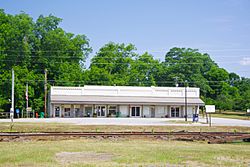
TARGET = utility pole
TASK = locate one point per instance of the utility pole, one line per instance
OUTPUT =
(12, 97)
(45, 93)
(186, 100)
(176, 81)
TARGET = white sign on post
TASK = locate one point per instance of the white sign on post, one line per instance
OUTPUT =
(248, 110)
(29, 109)
(210, 108)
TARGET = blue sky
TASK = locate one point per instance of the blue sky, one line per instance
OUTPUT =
(220, 28)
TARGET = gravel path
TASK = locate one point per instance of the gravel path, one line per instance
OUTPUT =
(135, 121)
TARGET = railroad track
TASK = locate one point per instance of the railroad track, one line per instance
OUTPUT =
(211, 137)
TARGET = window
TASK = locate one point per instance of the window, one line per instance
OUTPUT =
(135, 111)
(88, 111)
(112, 110)
(172, 112)
(177, 112)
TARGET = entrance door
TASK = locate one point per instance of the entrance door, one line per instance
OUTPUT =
(101, 110)
(67, 112)
(152, 111)
(175, 112)
(77, 111)
(135, 111)
(57, 111)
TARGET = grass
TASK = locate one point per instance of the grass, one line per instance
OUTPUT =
(232, 115)
(126, 152)
(56, 127)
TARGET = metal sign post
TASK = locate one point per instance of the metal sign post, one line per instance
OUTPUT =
(186, 100)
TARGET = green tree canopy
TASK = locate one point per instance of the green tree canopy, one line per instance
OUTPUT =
(30, 47)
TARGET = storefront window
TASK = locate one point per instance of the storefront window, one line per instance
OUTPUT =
(112, 111)
(88, 111)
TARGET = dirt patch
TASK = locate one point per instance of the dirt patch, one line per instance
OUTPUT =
(195, 163)
(82, 157)
(230, 159)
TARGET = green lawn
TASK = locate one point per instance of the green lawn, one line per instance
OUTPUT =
(124, 152)
(232, 114)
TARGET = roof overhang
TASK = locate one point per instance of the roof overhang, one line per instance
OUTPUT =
(78, 99)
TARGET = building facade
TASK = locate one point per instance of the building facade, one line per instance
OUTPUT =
(123, 101)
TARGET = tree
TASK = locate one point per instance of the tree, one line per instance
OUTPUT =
(216, 84)
(143, 71)
(31, 47)
(112, 64)
(188, 64)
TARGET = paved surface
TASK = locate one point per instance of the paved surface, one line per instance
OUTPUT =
(135, 121)
(230, 122)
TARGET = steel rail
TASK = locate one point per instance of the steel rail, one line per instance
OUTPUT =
(124, 133)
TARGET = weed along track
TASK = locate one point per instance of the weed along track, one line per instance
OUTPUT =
(210, 137)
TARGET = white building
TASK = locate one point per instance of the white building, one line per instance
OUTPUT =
(123, 101)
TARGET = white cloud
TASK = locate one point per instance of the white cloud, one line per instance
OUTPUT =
(245, 61)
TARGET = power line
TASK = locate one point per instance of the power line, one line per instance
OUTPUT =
(158, 50)
(101, 57)
(42, 80)
(8, 60)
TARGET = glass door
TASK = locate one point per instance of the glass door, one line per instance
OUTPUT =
(135, 111)
(152, 110)
(77, 111)
(57, 111)
(101, 110)
(175, 112)
(67, 112)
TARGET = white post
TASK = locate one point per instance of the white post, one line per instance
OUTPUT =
(27, 99)
(45, 93)
(12, 97)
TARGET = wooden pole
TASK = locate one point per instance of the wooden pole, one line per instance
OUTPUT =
(210, 120)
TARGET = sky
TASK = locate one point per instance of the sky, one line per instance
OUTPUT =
(220, 28)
